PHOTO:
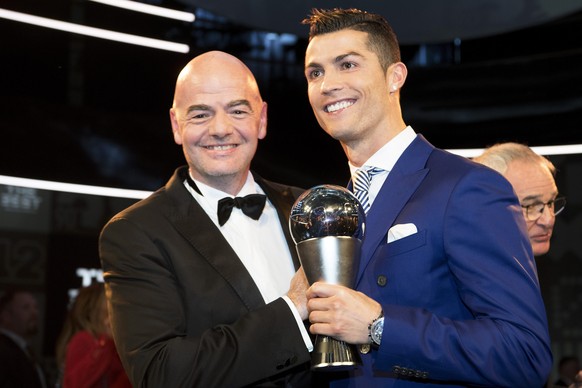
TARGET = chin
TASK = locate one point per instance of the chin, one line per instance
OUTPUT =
(540, 250)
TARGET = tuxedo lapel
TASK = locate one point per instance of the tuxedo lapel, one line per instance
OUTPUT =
(407, 174)
(283, 201)
(192, 222)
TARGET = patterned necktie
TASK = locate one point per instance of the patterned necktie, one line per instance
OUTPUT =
(252, 205)
(363, 179)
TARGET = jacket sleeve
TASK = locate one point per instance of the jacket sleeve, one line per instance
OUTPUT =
(161, 342)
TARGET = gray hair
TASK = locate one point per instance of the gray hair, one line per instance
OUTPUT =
(499, 156)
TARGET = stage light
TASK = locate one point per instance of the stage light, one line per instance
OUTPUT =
(542, 150)
(149, 9)
(72, 187)
(94, 32)
(140, 194)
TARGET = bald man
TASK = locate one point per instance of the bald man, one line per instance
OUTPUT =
(532, 178)
(201, 276)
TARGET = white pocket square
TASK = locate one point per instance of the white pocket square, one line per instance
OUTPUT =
(400, 231)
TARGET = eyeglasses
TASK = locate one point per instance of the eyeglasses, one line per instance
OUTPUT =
(534, 211)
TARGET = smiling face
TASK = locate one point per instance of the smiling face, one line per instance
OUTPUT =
(354, 100)
(218, 117)
(534, 183)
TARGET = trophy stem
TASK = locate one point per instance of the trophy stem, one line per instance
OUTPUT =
(331, 259)
(330, 354)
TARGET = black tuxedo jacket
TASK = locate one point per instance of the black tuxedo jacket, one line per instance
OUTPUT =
(16, 368)
(185, 311)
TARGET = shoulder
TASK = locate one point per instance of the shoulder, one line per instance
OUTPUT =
(293, 191)
(82, 336)
(448, 163)
(6, 343)
(278, 189)
(172, 198)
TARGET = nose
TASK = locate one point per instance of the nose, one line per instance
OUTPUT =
(547, 217)
(220, 125)
(331, 82)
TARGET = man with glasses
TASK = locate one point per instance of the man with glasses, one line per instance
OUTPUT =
(532, 178)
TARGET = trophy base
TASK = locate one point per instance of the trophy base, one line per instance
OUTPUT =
(332, 355)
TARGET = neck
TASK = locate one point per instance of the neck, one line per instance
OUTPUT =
(231, 184)
(359, 151)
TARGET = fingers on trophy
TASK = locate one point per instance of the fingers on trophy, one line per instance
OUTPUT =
(327, 224)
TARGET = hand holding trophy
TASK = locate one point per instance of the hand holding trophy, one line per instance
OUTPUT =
(327, 224)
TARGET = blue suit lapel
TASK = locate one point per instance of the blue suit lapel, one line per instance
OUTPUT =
(408, 173)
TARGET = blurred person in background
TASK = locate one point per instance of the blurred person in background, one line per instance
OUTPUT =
(568, 368)
(532, 178)
(18, 325)
(86, 353)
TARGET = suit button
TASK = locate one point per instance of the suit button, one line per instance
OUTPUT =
(382, 280)
(365, 348)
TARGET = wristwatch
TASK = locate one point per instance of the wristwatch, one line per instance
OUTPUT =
(376, 328)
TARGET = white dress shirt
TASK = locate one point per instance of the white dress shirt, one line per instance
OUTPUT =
(260, 244)
(385, 158)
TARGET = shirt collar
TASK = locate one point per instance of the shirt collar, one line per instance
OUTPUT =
(387, 156)
(211, 196)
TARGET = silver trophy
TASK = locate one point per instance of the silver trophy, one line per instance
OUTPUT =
(327, 224)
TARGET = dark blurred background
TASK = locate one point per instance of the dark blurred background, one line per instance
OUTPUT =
(92, 111)
(89, 111)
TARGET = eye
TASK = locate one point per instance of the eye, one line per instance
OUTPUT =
(240, 112)
(314, 74)
(537, 207)
(196, 117)
(348, 65)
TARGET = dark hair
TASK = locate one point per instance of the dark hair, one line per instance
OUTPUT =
(381, 38)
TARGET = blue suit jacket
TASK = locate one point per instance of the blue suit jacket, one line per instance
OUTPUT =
(461, 297)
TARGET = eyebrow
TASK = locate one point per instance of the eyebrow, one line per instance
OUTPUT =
(236, 103)
(337, 59)
(537, 197)
(208, 108)
(197, 107)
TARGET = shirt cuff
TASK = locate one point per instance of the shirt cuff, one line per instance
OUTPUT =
(302, 328)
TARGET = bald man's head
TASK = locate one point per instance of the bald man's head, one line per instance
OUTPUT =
(217, 117)
(215, 66)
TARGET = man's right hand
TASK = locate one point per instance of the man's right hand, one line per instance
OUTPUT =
(296, 293)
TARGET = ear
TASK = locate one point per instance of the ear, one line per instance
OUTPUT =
(175, 127)
(397, 73)
(263, 122)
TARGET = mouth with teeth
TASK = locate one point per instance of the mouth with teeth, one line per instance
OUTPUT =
(339, 105)
(221, 147)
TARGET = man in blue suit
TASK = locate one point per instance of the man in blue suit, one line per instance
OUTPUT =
(447, 293)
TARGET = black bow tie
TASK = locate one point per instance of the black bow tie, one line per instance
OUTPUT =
(252, 205)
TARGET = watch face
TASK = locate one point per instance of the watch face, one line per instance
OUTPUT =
(376, 330)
